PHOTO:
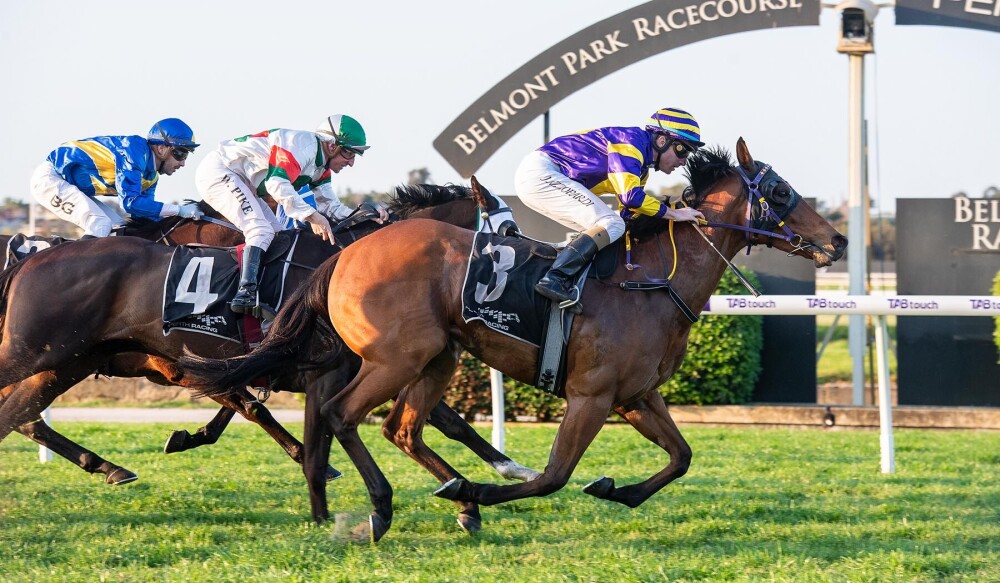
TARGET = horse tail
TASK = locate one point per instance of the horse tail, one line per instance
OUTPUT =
(299, 336)
(6, 280)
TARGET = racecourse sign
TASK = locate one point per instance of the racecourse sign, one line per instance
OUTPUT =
(597, 51)
(981, 14)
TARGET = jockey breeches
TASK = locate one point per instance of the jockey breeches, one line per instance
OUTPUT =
(542, 187)
(230, 194)
(68, 202)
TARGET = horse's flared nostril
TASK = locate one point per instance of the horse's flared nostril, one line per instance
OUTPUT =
(839, 245)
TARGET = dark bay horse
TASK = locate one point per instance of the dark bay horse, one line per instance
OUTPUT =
(115, 327)
(405, 322)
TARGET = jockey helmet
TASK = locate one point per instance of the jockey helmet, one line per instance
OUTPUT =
(172, 132)
(677, 124)
(344, 131)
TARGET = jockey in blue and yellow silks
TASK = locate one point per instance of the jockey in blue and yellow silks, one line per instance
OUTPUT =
(124, 166)
(562, 179)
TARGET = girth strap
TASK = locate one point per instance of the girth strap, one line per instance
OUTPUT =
(663, 284)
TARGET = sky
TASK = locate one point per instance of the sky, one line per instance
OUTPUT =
(75, 69)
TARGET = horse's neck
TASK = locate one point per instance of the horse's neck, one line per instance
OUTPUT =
(699, 268)
(461, 213)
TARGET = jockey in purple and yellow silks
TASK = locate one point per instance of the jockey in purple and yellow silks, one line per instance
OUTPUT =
(562, 179)
(278, 163)
(124, 166)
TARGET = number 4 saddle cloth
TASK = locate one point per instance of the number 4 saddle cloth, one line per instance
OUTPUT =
(201, 281)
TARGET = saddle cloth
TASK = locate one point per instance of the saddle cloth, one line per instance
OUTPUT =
(499, 286)
(201, 280)
(20, 246)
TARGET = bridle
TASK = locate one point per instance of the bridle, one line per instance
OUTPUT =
(761, 217)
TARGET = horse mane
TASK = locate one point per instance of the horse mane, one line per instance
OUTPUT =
(704, 168)
(407, 199)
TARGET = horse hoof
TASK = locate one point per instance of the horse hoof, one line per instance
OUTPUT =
(378, 527)
(120, 476)
(176, 441)
(470, 523)
(451, 489)
(333, 473)
(600, 488)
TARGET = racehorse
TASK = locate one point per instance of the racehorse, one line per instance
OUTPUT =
(405, 322)
(116, 327)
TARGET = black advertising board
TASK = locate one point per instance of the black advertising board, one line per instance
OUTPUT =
(947, 247)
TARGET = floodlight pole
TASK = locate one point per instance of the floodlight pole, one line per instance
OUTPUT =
(857, 18)
(858, 253)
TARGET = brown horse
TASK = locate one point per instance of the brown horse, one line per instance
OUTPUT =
(121, 335)
(405, 321)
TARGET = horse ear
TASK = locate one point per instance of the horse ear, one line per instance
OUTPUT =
(478, 193)
(743, 155)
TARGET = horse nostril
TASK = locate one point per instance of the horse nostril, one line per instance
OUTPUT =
(839, 243)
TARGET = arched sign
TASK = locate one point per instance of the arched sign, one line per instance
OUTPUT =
(597, 51)
(981, 14)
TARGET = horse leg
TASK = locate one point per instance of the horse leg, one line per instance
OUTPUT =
(21, 408)
(584, 418)
(182, 440)
(454, 427)
(25, 398)
(242, 402)
(39, 432)
(651, 418)
(404, 428)
(372, 386)
(317, 439)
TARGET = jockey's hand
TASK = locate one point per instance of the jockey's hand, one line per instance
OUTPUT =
(383, 216)
(320, 226)
(190, 211)
(684, 214)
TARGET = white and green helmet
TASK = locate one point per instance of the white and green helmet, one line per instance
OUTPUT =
(344, 131)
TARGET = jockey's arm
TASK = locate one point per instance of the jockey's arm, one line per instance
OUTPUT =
(624, 173)
(134, 200)
(328, 203)
(283, 193)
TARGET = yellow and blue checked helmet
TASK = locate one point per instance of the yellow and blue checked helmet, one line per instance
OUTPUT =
(676, 123)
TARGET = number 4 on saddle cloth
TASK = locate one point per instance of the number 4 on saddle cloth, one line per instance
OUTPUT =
(201, 281)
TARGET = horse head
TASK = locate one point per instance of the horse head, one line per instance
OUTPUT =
(760, 203)
(774, 207)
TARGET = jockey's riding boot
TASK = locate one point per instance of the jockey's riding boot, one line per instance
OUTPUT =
(245, 299)
(558, 285)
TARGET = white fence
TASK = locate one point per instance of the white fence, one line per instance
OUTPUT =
(879, 306)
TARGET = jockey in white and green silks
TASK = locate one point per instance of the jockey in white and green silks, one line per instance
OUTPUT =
(278, 163)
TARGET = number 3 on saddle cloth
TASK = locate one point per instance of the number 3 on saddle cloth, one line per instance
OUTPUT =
(201, 281)
(499, 291)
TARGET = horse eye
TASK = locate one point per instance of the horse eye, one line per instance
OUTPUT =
(781, 193)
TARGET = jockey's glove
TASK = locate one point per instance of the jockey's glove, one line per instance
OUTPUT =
(190, 211)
